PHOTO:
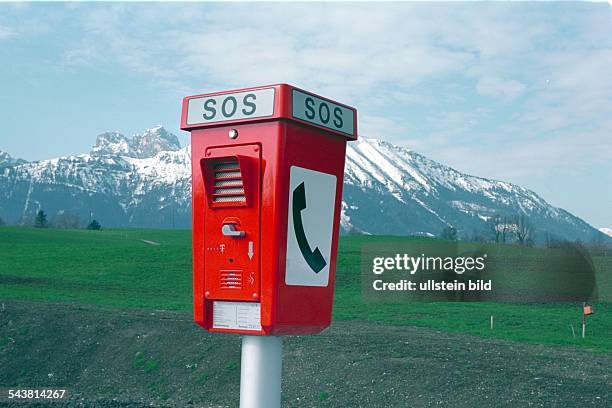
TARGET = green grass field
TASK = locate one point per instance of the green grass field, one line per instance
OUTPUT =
(117, 268)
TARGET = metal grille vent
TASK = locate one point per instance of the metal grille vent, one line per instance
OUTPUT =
(231, 279)
(228, 186)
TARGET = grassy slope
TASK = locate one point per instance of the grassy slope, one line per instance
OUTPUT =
(111, 267)
(116, 268)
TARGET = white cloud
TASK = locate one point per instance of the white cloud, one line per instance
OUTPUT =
(549, 69)
(515, 157)
(352, 50)
(386, 128)
(506, 89)
(6, 32)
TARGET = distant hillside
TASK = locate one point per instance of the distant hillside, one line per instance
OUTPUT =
(607, 231)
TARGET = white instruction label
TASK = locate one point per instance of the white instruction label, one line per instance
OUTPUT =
(237, 315)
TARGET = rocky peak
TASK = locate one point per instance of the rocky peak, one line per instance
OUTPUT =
(153, 141)
(112, 143)
(139, 146)
(7, 160)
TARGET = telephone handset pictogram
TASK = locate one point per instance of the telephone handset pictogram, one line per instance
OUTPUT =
(314, 259)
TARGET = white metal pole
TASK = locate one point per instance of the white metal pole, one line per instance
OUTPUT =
(260, 372)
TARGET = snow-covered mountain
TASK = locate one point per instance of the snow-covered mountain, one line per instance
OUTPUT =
(392, 189)
(607, 231)
(7, 160)
(139, 181)
(145, 181)
(141, 146)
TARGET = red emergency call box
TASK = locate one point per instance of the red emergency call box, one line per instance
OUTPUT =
(268, 167)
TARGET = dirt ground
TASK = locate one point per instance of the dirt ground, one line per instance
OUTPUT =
(117, 358)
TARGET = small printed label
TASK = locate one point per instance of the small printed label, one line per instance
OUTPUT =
(237, 315)
(322, 112)
(231, 106)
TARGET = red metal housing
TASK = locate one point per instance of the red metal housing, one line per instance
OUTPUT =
(242, 169)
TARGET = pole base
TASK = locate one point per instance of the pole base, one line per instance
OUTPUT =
(260, 372)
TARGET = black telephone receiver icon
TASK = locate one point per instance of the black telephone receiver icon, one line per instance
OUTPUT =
(314, 258)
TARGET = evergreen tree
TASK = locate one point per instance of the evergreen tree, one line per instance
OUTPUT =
(94, 225)
(41, 220)
(449, 233)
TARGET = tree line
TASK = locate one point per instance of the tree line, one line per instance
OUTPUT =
(63, 220)
(501, 229)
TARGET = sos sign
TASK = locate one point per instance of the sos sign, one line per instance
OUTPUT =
(322, 112)
(231, 106)
(259, 103)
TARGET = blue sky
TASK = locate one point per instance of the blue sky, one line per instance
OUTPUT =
(515, 91)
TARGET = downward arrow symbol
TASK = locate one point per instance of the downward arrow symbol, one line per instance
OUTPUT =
(250, 253)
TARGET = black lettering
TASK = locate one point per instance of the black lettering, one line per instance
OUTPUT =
(209, 109)
(310, 112)
(338, 122)
(224, 105)
(251, 105)
(326, 118)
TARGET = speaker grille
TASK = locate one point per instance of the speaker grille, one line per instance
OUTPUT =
(228, 186)
(231, 279)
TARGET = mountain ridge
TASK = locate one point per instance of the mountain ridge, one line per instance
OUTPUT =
(6, 160)
(146, 181)
(142, 146)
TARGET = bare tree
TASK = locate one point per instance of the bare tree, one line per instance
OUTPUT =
(523, 229)
(66, 220)
(506, 227)
(500, 226)
(492, 224)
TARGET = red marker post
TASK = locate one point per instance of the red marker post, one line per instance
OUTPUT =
(268, 168)
(586, 310)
